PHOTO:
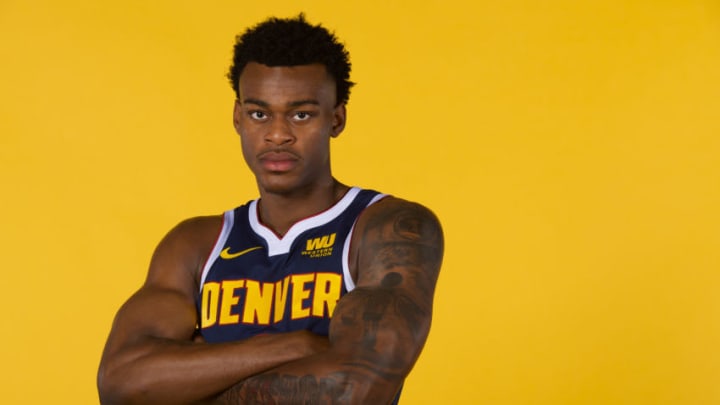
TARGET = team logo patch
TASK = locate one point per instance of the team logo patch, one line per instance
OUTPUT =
(319, 247)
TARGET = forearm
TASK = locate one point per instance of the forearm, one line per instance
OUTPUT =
(310, 382)
(159, 371)
(376, 336)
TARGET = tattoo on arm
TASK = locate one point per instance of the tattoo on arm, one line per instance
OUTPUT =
(406, 238)
(274, 388)
(384, 321)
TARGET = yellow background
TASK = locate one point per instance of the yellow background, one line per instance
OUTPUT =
(570, 149)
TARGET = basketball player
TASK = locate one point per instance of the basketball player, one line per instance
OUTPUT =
(316, 292)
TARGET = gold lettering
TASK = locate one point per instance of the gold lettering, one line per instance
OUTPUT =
(209, 307)
(281, 292)
(299, 294)
(319, 243)
(229, 300)
(327, 293)
(258, 302)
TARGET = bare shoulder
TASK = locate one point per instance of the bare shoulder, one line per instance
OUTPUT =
(196, 231)
(181, 254)
(409, 219)
(395, 239)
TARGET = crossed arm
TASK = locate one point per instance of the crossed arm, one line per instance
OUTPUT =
(377, 330)
(376, 333)
(150, 356)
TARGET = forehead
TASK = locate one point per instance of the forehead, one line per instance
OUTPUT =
(285, 84)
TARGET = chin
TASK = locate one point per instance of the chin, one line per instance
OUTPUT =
(287, 183)
(278, 187)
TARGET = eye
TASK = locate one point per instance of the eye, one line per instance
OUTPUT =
(302, 116)
(257, 115)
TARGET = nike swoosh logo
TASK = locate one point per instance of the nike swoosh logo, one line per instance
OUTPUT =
(225, 254)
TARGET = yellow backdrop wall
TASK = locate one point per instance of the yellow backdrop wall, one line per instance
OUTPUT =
(569, 148)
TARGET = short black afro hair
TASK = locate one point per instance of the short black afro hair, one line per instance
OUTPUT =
(292, 42)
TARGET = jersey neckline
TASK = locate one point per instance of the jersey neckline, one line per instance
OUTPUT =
(281, 245)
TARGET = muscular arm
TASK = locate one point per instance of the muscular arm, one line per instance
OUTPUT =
(150, 356)
(377, 330)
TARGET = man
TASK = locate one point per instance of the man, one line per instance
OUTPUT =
(314, 293)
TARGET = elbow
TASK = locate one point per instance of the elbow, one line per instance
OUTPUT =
(361, 388)
(110, 386)
(114, 387)
(361, 378)
(108, 390)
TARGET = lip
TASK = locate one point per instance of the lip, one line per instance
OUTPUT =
(278, 161)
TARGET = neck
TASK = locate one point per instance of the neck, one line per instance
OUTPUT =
(281, 211)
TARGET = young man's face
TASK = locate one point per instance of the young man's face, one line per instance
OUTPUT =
(285, 117)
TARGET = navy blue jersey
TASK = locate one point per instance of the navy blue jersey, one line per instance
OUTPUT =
(255, 282)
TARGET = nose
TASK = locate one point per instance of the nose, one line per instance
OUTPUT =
(279, 132)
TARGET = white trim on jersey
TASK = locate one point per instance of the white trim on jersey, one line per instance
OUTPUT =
(228, 220)
(279, 246)
(347, 278)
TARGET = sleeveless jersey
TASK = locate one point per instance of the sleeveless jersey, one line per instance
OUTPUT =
(255, 282)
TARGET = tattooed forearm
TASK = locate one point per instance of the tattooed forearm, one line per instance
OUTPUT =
(274, 388)
(377, 334)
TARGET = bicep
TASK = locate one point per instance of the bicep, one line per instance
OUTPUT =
(399, 245)
(164, 307)
(157, 312)
(150, 316)
(386, 319)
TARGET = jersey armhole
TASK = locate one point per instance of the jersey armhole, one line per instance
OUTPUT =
(228, 220)
(347, 277)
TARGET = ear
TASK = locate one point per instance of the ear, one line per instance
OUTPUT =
(339, 119)
(237, 113)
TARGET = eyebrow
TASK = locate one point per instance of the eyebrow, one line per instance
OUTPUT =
(290, 104)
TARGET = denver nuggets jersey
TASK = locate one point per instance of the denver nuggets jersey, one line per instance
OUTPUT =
(255, 282)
